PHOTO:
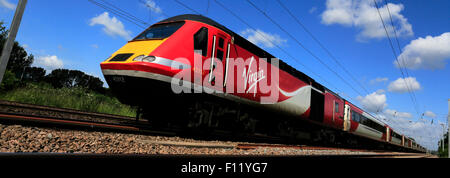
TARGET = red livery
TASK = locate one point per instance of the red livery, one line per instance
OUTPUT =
(167, 70)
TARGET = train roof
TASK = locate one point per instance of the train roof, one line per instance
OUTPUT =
(237, 38)
(199, 18)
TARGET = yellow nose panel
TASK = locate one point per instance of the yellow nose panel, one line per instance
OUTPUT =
(138, 48)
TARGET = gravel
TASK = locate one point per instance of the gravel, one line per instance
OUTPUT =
(17, 138)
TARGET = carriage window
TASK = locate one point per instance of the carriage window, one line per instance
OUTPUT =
(355, 116)
(160, 31)
(201, 40)
(396, 135)
(221, 43)
(372, 124)
(219, 54)
(336, 107)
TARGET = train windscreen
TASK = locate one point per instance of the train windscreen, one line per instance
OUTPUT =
(160, 31)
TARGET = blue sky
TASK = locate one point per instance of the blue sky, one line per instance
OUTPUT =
(79, 35)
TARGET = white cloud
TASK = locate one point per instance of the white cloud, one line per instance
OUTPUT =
(378, 80)
(364, 15)
(425, 133)
(260, 37)
(394, 113)
(111, 26)
(94, 46)
(374, 102)
(8, 5)
(338, 11)
(380, 91)
(403, 85)
(429, 114)
(152, 6)
(427, 53)
(49, 62)
(312, 10)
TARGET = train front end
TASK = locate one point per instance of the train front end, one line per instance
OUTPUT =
(143, 68)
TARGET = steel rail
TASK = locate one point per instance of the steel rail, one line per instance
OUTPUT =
(60, 110)
(16, 117)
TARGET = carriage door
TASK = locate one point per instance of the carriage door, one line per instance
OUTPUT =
(221, 44)
(347, 115)
(338, 113)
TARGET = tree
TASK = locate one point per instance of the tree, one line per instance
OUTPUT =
(59, 78)
(74, 78)
(34, 74)
(444, 153)
(95, 84)
(19, 65)
(19, 58)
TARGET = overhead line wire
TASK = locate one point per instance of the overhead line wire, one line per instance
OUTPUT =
(243, 21)
(321, 45)
(125, 13)
(284, 51)
(399, 48)
(152, 8)
(116, 13)
(187, 7)
(301, 45)
(306, 49)
(395, 56)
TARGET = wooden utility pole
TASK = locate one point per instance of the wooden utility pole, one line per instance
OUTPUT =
(6, 52)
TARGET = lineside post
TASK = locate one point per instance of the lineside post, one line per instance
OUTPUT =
(6, 52)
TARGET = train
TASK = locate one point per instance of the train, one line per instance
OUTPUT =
(190, 71)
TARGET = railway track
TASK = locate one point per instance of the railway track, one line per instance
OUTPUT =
(10, 106)
(15, 108)
(30, 114)
(314, 151)
(133, 156)
(12, 112)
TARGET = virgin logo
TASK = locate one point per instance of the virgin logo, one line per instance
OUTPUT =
(252, 78)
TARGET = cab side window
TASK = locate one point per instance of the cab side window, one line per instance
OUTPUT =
(201, 41)
(220, 49)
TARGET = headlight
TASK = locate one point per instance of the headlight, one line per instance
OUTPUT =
(148, 59)
(139, 58)
(144, 58)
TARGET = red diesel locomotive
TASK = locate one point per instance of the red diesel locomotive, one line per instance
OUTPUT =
(178, 51)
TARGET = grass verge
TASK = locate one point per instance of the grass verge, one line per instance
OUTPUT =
(73, 98)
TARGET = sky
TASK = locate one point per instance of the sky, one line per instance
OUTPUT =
(77, 34)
